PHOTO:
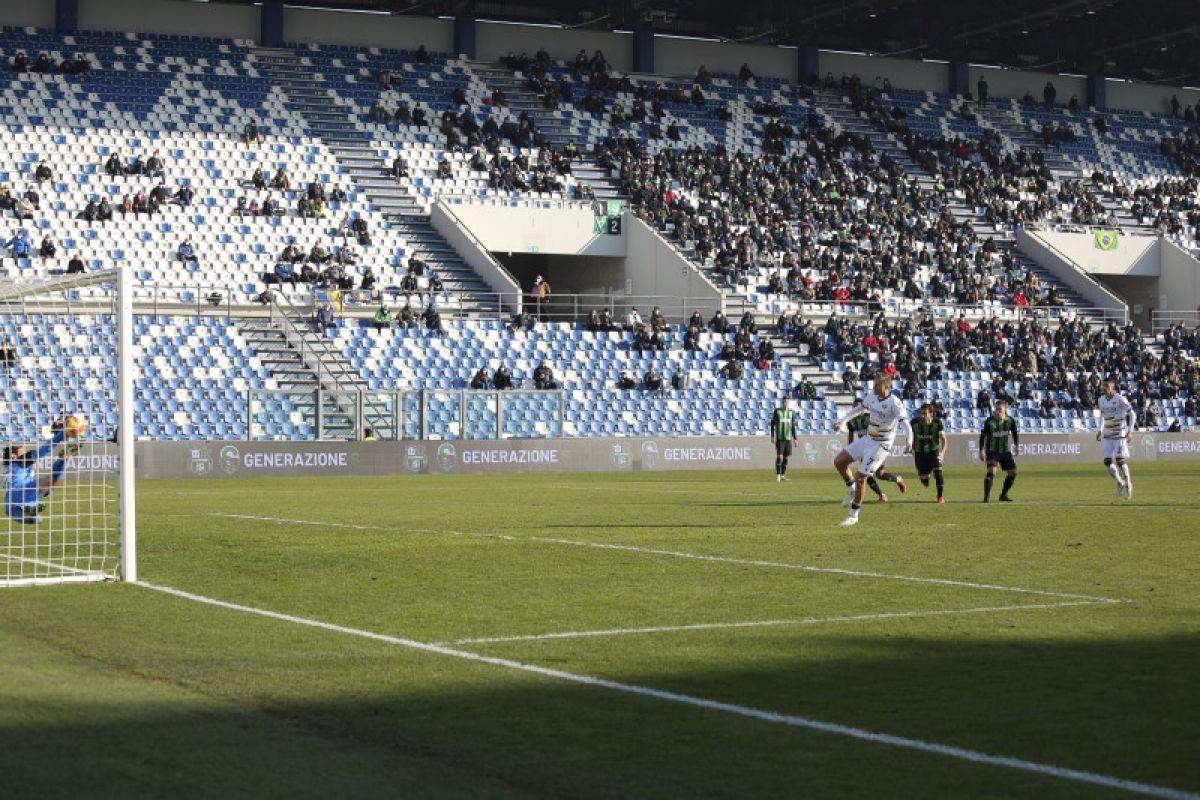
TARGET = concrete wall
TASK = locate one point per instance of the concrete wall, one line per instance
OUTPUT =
(297, 459)
(494, 40)
(1069, 272)
(655, 268)
(1135, 255)
(219, 20)
(682, 57)
(458, 236)
(1140, 293)
(903, 73)
(1131, 96)
(27, 13)
(369, 30)
(568, 231)
(1179, 286)
(1014, 83)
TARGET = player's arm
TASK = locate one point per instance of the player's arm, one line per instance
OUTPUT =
(774, 421)
(943, 445)
(1100, 429)
(906, 429)
(1016, 436)
(1130, 421)
(983, 434)
(849, 415)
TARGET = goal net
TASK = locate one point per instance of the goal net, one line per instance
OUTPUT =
(66, 425)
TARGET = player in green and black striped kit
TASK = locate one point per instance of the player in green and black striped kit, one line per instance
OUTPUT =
(929, 449)
(783, 428)
(996, 451)
(858, 427)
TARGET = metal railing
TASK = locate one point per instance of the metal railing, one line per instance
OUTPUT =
(1161, 320)
(398, 415)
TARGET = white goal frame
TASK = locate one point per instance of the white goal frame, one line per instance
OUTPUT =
(118, 304)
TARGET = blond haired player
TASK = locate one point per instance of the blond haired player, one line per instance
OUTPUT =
(888, 415)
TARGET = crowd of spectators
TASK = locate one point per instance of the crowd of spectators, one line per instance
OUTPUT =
(44, 64)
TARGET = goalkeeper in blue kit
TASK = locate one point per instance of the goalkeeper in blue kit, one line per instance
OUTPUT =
(23, 486)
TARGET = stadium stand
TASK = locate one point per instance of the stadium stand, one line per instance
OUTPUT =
(877, 202)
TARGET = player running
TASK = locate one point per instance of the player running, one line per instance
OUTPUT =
(783, 429)
(23, 486)
(857, 427)
(1117, 420)
(888, 414)
(995, 450)
(929, 449)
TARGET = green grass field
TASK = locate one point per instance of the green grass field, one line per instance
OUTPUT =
(123, 690)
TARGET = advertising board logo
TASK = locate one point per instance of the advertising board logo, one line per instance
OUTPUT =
(833, 447)
(447, 457)
(200, 461)
(1148, 446)
(621, 457)
(811, 455)
(650, 454)
(414, 458)
(230, 459)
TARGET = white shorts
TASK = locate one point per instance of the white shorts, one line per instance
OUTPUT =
(869, 454)
(1116, 448)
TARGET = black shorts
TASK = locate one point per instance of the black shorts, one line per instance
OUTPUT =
(1003, 460)
(927, 462)
(783, 447)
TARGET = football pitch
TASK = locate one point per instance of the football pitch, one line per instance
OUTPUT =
(710, 634)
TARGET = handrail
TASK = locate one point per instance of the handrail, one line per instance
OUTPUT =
(1161, 320)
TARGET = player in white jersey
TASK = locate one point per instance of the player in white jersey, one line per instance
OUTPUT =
(888, 415)
(1117, 420)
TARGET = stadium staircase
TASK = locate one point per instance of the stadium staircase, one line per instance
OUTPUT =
(360, 161)
(841, 112)
(304, 362)
(551, 124)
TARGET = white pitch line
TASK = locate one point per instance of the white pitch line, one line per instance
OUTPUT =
(767, 623)
(683, 554)
(791, 720)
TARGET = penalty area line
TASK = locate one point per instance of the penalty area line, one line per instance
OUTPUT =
(770, 623)
(677, 554)
(790, 720)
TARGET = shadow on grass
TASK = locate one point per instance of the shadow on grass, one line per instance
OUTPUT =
(426, 725)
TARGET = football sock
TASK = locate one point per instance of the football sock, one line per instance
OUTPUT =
(937, 478)
(783, 467)
(56, 472)
(1112, 470)
(987, 487)
(1128, 477)
(886, 476)
(1008, 482)
(874, 486)
(849, 482)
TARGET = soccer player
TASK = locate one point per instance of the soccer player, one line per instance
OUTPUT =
(1117, 420)
(858, 427)
(995, 450)
(929, 449)
(783, 428)
(888, 414)
(23, 487)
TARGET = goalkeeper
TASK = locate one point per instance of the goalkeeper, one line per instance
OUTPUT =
(23, 486)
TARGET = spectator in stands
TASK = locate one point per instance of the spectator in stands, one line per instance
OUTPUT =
(7, 201)
(481, 380)
(625, 380)
(983, 400)
(19, 245)
(633, 320)
(408, 316)
(43, 172)
(652, 381)
(378, 113)
(383, 318)
(850, 380)
(399, 168)
(1174, 427)
(281, 180)
(436, 288)
(1049, 93)
(251, 134)
(422, 56)
(503, 379)
(680, 380)
(48, 248)
(187, 252)
(433, 320)
(805, 389)
(8, 356)
(20, 62)
(319, 254)
(284, 272)
(981, 90)
(113, 166)
(744, 74)
(26, 205)
(81, 66)
(325, 318)
(543, 377)
(75, 265)
(733, 370)
(154, 165)
(42, 65)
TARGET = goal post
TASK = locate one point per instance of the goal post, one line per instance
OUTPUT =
(67, 370)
